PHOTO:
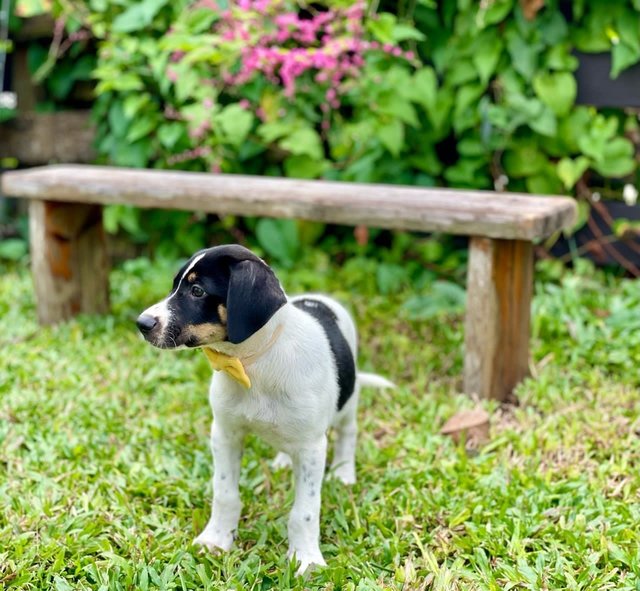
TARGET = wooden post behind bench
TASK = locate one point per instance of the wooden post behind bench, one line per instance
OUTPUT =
(499, 290)
(69, 259)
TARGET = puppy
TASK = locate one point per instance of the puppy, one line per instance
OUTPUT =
(286, 371)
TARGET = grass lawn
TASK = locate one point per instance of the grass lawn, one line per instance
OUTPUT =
(105, 467)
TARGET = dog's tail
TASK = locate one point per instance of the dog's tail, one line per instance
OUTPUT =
(374, 381)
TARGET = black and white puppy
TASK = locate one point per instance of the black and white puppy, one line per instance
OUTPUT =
(299, 355)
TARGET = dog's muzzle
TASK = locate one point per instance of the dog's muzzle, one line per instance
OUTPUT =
(146, 323)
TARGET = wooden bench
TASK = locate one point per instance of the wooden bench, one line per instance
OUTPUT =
(70, 264)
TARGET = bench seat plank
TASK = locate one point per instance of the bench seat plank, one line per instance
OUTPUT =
(506, 215)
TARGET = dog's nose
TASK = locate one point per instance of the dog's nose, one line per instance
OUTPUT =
(146, 323)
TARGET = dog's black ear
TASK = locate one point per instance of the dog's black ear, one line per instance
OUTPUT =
(253, 297)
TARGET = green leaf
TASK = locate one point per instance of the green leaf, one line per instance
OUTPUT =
(543, 184)
(486, 55)
(118, 121)
(123, 216)
(309, 232)
(135, 155)
(425, 88)
(304, 167)
(467, 172)
(141, 127)
(7, 114)
(471, 146)
(594, 138)
(395, 105)
(391, 278)
(170, 133)
(275, 130)
(382, 27)
(559, 57)
(557, 90)
(120, 82)
(440, 114)
(199, 20)
(617, 158)
(445, 297)
(187, 84)
(133, 103)
(495, 12)
(404, 32)
(570, 170)
(573, 127)
(13, 249)
(462, 72)
(524, 160)
(279, 238)
(628, 26)
(426, 160)
(304, 141)
(524, 55)
(553, 27)
(66, 74)
(137, 16)
(36, 57)
(623, 56)
(236, 123)
(392, 136)
(466, 106)
(545, 123)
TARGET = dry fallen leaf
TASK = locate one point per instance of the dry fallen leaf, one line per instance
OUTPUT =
(473, 424)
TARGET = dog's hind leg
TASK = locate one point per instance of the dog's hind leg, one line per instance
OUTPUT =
(343, 465)
(282, 460)
(225, 513)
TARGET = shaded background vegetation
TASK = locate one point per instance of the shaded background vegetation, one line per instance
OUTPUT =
(453, 93)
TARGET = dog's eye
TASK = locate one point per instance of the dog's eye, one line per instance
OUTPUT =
(197, 291)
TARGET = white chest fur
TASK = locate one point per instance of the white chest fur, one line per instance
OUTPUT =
(294, 386)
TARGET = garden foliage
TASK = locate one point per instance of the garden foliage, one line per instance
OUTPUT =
(454, 93)
(459, 93)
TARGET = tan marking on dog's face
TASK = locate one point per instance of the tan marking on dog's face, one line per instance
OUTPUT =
(222, 312)
(192, 277)
(206, 333)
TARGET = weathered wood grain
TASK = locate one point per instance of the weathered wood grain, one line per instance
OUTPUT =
(40, 138)
(68, 260)
(499, 291)
(505, 215)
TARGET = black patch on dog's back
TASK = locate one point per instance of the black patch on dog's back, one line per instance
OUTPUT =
(342, 354)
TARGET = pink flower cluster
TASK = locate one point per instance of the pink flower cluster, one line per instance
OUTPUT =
(198, 152)
(283, 46)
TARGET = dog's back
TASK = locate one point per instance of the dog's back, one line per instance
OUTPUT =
(340, 331)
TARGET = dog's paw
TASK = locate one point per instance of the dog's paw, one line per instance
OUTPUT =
(345, 473)
(215, 541)
(281, 461)
(307, 560)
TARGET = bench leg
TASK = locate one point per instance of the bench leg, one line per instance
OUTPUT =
(497, 328)
(68, 260)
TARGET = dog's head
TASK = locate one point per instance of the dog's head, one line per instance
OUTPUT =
(225, 293)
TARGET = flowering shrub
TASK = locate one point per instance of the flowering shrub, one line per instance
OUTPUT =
(267, 86)
(460, 93)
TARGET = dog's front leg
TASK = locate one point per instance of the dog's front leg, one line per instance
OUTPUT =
(304, 520)
(227, 455)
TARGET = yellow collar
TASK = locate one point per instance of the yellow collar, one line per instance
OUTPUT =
(234, 367)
